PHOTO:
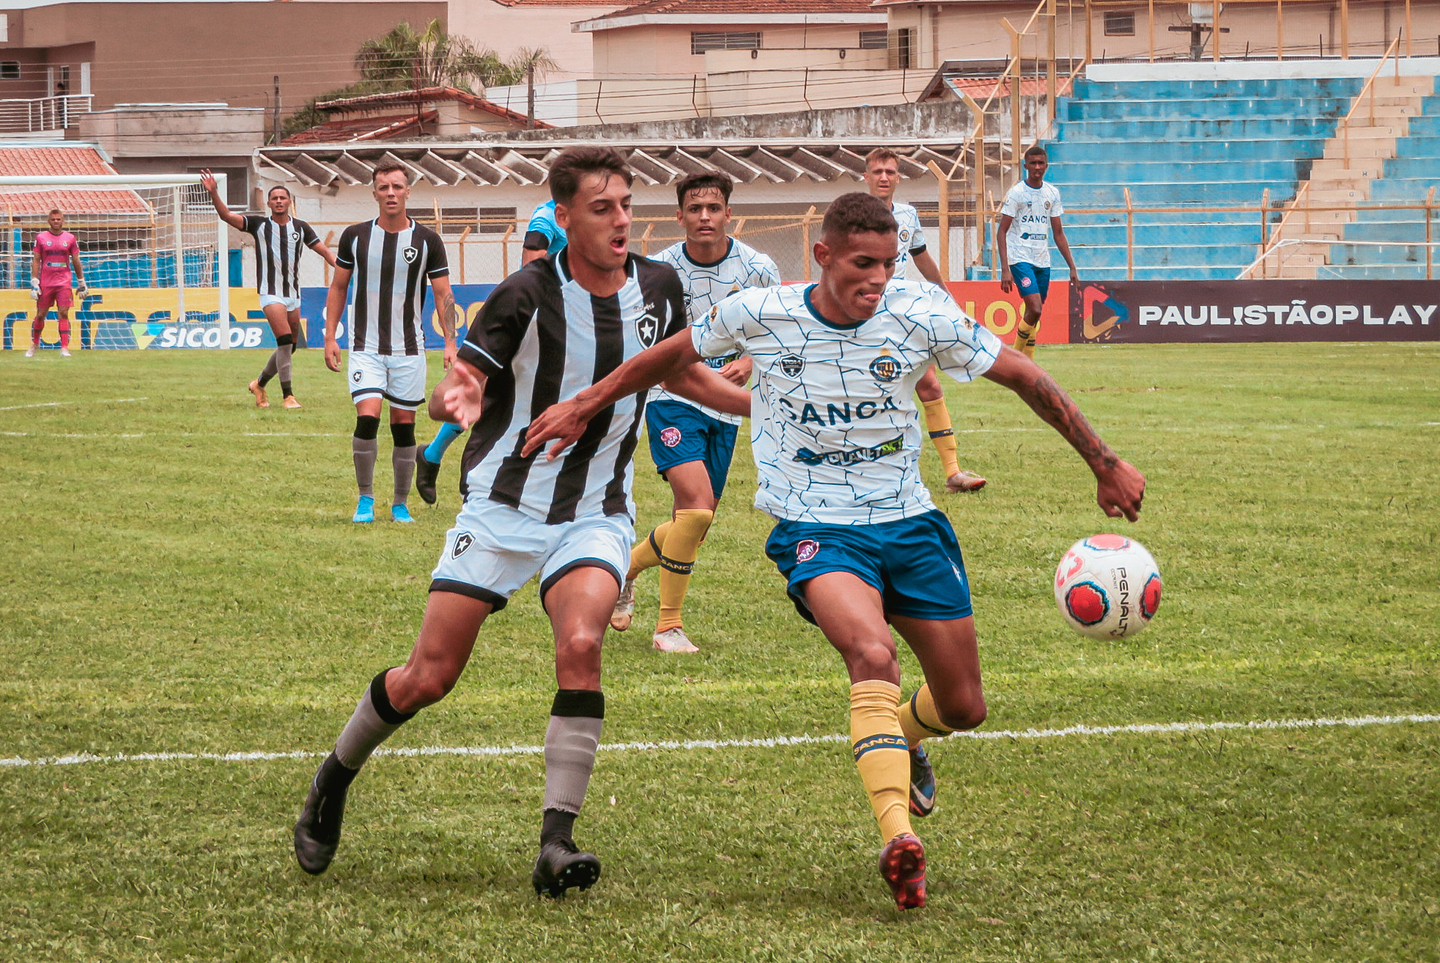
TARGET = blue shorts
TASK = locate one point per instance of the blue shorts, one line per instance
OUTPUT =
(680, 434)
(1030, 279)
(914, 563)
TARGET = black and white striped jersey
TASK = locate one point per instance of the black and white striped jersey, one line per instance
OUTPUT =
(542, 338)
(387, 293)
(277, 253)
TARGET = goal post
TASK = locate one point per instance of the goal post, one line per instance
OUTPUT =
(153, 251)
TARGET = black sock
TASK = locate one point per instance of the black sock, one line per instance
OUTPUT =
(285, 389)
(558, 825)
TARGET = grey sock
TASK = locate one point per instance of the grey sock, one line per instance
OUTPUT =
(269, 370)
(570, 745)
(369, 726)
(364, 450)
(403, 461)
(281, 360)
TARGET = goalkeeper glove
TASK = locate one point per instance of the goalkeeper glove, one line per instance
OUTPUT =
(81, 289)
(35, 289)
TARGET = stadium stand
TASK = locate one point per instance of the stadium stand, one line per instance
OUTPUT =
(1189, 146)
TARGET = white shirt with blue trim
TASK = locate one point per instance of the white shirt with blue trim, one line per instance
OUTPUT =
(835, 432)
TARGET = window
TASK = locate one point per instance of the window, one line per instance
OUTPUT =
(724, 40)
(874, 39)
(9, 70)
(902, 49)
(1120, 24)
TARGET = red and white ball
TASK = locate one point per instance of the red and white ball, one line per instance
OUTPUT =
(1107, 587)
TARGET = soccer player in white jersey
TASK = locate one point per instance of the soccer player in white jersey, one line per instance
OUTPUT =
(1029, 217)
(548, 330)
(391, 258)
(882, 174)
(690, 444)
(836, 440)
(279, 241)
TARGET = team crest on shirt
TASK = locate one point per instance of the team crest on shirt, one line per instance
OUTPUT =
(647, 330)
(791, 365)
(670, 437)
(807, 550)
(885, 368)
(410, 254)
(462, 541)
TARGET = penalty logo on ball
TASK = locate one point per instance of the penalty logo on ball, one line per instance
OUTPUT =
(1107, 586)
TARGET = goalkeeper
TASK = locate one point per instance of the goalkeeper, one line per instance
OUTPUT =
(57, 252)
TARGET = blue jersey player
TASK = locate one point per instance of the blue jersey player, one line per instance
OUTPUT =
(836, 441)
(690, 443)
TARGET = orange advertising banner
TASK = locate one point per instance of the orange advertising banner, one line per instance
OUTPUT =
(1001, 312)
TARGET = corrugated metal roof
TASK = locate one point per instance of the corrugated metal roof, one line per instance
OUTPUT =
(527, 162)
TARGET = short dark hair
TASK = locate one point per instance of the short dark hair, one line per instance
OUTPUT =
(385, 167)
(704, 181)
(576, 162)
(1037, 149)
(279, 187)
(857, 213)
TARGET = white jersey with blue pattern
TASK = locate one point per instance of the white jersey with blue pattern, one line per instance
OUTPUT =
(706, 285)
(911, 238)
(1030, 210)
(835, 433)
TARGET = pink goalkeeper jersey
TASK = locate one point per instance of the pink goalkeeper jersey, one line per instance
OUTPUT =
(55, 251)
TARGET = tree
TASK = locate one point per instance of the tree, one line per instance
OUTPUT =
(405, 60)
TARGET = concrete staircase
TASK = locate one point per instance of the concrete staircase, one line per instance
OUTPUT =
(1342, 177)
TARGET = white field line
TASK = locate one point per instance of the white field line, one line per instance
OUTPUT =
(714, 744)
(58, 404)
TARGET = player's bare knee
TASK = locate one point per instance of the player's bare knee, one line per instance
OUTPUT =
(964, 711)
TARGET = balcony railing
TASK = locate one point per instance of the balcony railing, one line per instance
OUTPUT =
(38, 115)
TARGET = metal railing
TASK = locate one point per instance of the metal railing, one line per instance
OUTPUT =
(37, 115)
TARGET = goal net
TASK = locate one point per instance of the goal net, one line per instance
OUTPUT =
(153, 252)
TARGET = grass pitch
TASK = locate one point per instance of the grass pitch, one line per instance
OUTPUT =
(184, 584)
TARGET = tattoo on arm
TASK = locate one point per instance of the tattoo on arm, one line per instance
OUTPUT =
(1056, 409)
(445, 314)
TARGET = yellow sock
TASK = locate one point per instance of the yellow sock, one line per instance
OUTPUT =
(1025, 334)
(937, 422)
(919, 719)
(677, 557)
(646, 553)
(881, 754)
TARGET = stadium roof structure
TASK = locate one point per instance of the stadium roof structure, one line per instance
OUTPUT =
(527, 163)
(345, 129)
(71, 160)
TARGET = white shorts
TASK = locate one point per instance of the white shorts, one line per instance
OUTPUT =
(398, 378)
(291, 304)
(494, 549)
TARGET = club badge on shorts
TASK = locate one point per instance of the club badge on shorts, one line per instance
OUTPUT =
(807, 550)
(462, 541)
(670, 437)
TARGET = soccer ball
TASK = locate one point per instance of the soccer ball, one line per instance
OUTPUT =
(1107, 587)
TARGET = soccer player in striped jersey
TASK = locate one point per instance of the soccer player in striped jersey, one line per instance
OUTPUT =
(548, 330)
(57, 252)
(857, 536)
(692, 445)
(542, 237)
(391, 258)
(882, 174)
(279, 241)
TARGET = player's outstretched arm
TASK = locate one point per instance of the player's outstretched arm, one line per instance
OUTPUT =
(1121, 487)
(458, 398)
(565, 421)
(207, 181)
(710, 388)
